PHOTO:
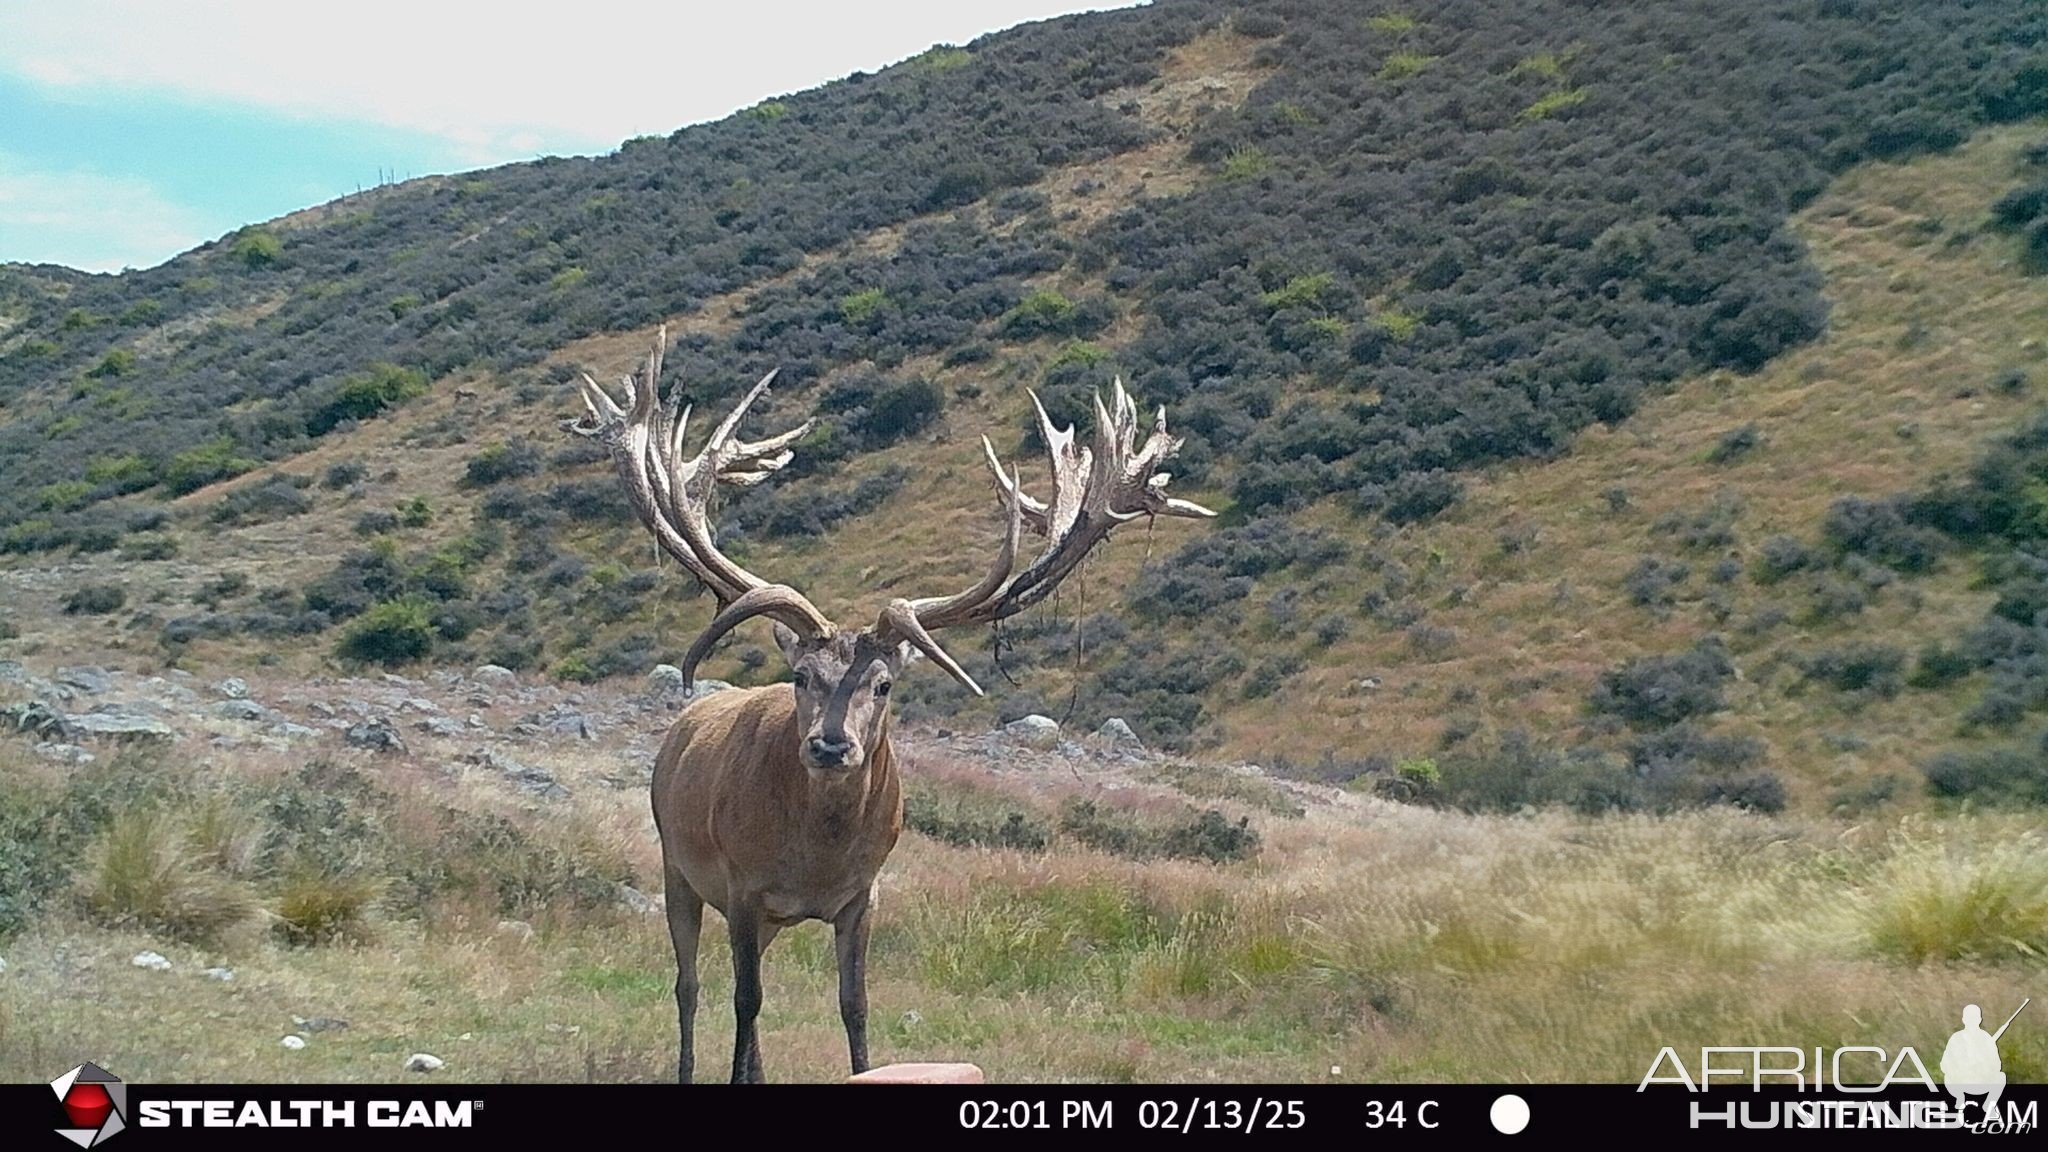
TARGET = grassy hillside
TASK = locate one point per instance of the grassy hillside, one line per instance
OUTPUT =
(1517, 347)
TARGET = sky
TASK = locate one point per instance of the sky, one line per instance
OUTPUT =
(131, 130)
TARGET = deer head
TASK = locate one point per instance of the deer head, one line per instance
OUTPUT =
(843, 676)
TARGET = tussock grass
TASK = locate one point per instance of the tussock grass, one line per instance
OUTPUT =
(144, 871)
(1939, 901)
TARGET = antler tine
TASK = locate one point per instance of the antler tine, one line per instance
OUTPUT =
(669, 492)
(1095, 488)
(940, 611)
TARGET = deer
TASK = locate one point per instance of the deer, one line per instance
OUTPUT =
(779, 804)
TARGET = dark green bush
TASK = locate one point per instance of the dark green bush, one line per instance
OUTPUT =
(394, 632)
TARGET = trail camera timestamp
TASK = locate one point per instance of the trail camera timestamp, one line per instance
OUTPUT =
(1170, 1114)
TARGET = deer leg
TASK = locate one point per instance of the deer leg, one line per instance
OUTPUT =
(744, 925)
(850, 942)
(685, 922)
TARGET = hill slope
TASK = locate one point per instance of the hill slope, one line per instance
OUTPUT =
(1359, 253)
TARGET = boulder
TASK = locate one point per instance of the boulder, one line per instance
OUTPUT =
(64, 753)
(701, 688)
(377, 735)
(1034, 731)
(241, 708)
(292, 1043)
(424, 1062)
(86, 678)
(666, 680)
(154, 961)
(123, 727)
(493, 674)
(11, 672)
(233, 688)
(442, 726)
(637, 901)
(1117, 736)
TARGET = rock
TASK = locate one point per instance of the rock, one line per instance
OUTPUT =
(291, 731)
(240, 708)
(442, 726)
(234, 688)
(154, 961)
(3, 966)
(86, 678)
(493, 674)
(224, 975)
(322, 707)
(519, 930)
(11, 672)
(419, 704)
(37, 719)
(666, 680)
(401, 681)
(529, 778)
(294, 1043)
(566, 722)
(702, 688)
(377, 735)
(65, 753)
(121, 727)
(1118, 737)
(1034, 731)
(424, 1062)
(319, 1023)
(638, 901)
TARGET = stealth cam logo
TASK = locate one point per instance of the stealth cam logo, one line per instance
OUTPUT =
(96, 1101)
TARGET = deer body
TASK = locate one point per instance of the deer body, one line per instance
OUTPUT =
(780, 804)
(769, 843)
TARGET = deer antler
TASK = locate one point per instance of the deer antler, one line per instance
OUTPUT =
(671, 494)
(1095, 488)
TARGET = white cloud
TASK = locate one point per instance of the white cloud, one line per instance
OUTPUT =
(500, 81)
(88, 220)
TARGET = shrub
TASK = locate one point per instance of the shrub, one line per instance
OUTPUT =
(1871, 669)
(1879, 530)
(274, 499)
(394, 632)
(1939, 666)
(365, 394)
(257, 248)
(505, 460)
(1735, 444)
(1779, 557)
(1207, 835)
(208, 463)
(1658, 691)
(2000, 775)
(346, 474)
(143, 872)
(973, 825)
(1653, 582)
(94, 599)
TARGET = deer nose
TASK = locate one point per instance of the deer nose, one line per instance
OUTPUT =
(827, 751)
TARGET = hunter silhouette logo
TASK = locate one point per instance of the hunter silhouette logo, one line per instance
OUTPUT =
(96, 1101)
(1970, 1065)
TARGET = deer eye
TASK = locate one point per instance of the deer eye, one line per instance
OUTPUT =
(882, 689)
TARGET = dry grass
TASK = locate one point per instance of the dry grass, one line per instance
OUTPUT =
(1393, 943)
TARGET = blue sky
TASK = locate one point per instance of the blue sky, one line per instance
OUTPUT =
(132, 130)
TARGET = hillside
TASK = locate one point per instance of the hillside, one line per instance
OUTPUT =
(1529, 353)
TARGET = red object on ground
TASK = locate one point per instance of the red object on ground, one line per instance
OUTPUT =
(920, 1074)
(88, 1105)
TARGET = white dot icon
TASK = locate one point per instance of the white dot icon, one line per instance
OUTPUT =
(1510, 1114)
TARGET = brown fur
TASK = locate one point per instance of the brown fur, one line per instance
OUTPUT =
(750, 828)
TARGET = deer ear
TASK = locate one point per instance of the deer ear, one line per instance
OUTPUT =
(907, 654)
(786, 639)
